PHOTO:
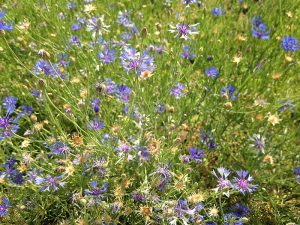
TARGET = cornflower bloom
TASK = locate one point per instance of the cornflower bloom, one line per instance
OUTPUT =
(290, 44)
(182, 209)
(183, 31)
(95, 104)
(96, 192)
(3, 25)
(179, 90)
(124, 19)
(228, 92)
(259, 28)
(46, 68)
(10, 104)
(258, 142)
(74, 40)
(286, 104)
(207, 139)
(188, 3)
(297, 173)
(123, 93)
(95, 124)
(71, 5)
(217, 11)
(11, 172)
(222, 180)
(60, 148)
(196, 154)
(107, 55)
(212, 72)
(242, 183)
(49, 182)
(240, 210)
(4, 205)
(138, 197)
(165, 176)
(97, 26)
(132, 60)
(187, 54)
(63, 62)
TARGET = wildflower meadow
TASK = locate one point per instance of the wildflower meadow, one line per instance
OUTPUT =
(150, 112)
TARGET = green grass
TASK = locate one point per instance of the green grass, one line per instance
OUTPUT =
(276, 201)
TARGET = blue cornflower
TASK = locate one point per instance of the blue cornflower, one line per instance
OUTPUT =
(164, 175)
(182, 209)
(207, 139)
(63, 60)
(60, 148)
(132, 60)
(217, 11)
(50, 182)
(161, 108)
(76, 26)
(240, 210)
(242, 183)
(11, 172)
(183, 31)
(212, 72)
(123, 93)
(96, 192)
(71, 5)
(10, 104)
(188, 3)
(258, 142)
(231, 219)
(97, 26)
(110, 86)
(179, 90)
(74, 40)
(138, 197)
(4, 205)
(286, 105)
(196, 154)
(124, 19)
(297, 173)
(259, 28)
(46, 68)
(107, 55)
(95, 104)
(4, 25)
(187, 54)
(224, 183)
(228, 92)
(290, 44)
(95, 124)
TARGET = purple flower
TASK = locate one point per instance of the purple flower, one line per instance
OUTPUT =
(8, 127)
(217, 11)
(132, 60)
(124, 19)
(196, 154)
(138, 197)
(228, 92)
(188, 3)
(50, 182)
(74, 40)
(243, 182)
(212, 72)
(182, 209)
(71, 5)
(164, 175)
(290, 44)
(161, 108)
(10, 104)
(5, 204)
(46, 68)
(4, 25)
(63, 62)
(95, 104)
(183, 31)
(60, 148)
(258, 142)
(97, 26)
(207, 139)
(286, 104)
(187, 54)
(123, 93)
(297, 173)
(179, 90)
(95, 124)
(222, 180)
(96, 192)
(107, 55)
(259, 28)
(240, 210)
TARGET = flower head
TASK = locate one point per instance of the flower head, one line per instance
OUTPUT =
(4, 205)
(290, 44)
(217, 11)
(179, 90)
(258, 142)
(97, 26)
(242, 183)
(187, 54)
(229, 92)
(259, 28)
(196, 154)
(183, 31)
(50, 182)
(212, 72)
(222, 180)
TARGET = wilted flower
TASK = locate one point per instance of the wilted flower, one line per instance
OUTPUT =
(273, 119)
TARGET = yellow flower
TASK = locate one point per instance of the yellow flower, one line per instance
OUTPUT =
(213, 212)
